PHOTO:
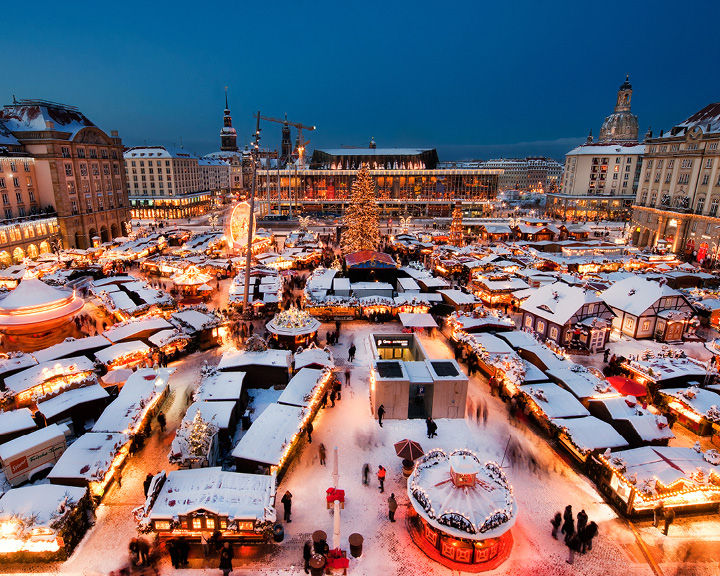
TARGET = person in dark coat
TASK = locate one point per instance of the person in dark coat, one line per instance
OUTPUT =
(366, 474)
(287, 505)
(582, 519)
(171, 547)
(309, 429)
(669, 519)
(433, 428)
(351, 353)
(146, 484)
(556, 521)
(183, 549)
(323, 454)
(143, 551)
(307, 554)
(587, 536)
(333, 396)
(568, 527)
(226, 557)
(428, 426)
(573, 545)
(162, 421)
(381, 413)
(392, 507)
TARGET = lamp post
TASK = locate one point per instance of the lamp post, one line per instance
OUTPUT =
(248, 248)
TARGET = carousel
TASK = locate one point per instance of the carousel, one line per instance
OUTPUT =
(292, 328)
(193, 282)
(35, 315)
(461, 510)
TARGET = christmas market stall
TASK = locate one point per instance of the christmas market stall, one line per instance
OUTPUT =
(190, 281)
(196, 443)
(92, 461)
(42, 523)
(79, 406)
(415, 302)
(137, 329)
(639, 480)
(190, 503)
(313, 357)
(124, 355)
(48, 379)
(587, 436)
(15, 423)
(459, 300)
(205, 327)
(665, 370)
(223, 387)
(306, 388)
(171, 343)
(272, 439)
(461, 510)
(547, 400)
(73, 347)
(639, 425)
(264, 367)
(27, 458)
(293, 328)
(14, 363)
(698, 409)
(479, 320)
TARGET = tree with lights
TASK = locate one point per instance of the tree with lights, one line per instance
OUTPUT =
(456, 227)
(361, 216)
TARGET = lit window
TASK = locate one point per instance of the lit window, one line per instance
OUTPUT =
(210, 523)
(162, 525)
(196, 523)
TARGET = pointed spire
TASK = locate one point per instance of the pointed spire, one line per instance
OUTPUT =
(590, 137)
(226, 99)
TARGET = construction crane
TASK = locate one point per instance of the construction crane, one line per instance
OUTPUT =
(301, 144)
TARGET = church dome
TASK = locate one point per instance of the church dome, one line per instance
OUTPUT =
(620, 126)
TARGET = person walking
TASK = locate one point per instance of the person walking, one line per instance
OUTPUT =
(428, 426)
(143, 551)
(587, 536)
(183, 549)
(573, 545)
(433, 428)
(162, 421)
(347, 376)
(226, 557)
(556, 521)
(568, 527)
(323, 453)
(658, 514)
(309, 429)
(366, 474)
(392, 507)
(146, 483)
(582, 520)
(333, 396)
(171, 547)
(381, 478)
(381, 413)
(307, 554)
(287, 505)
(351, 352)
(669, 519)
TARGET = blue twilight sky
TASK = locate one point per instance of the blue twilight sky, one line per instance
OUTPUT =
(474, 79)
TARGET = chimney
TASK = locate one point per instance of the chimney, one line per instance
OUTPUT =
(114, 134)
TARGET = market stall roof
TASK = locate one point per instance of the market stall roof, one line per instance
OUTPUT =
(417, 320)
(44, 371)
(589, 433)
(648, 426)
(558, 302)
(627, 386)
(239, 359)
(662, 368)
(116, 376)
(15, 421)
(221, 386)
(220, 413)
(133, 328)
(470, 321)
(293, 322)
(16, 362)
(266, 440)
(492, 344)
(15, 448)
(369, 259)
(580, 381)
(553, 401)
(237, 495)
(71, 347)
(109, 355)
(702, 401)
(313, 356)
(165, 337)
(39, 502)
(70, 399)
(88, 458)
(193, 320)
(458, 297)
(142, 390)
(299, 390)
(428, 298)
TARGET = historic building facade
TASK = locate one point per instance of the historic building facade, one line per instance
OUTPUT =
(537, 174)
(77, 170)
(165, 183)
(679, 194)
(238, 161)
(601, 177)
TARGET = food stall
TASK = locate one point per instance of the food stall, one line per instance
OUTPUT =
(124, 355)
(696, 408)
(293, 327)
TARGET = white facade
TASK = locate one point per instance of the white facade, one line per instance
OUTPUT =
(158, 171)
(215, 174)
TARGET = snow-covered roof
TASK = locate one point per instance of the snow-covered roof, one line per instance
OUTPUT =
(195, 320)
(615, 149)
(650, 427)
(220, 413)
(71, 346)
(636, 294)
(558, 302)
(310, 356)
(40, 502)
(237, 359)
(581, 382)
(458, 297)
(589, 433)
(268, 437)
(16, 447)
(89, 457)
(376, 151)
(700, 400)
(299, 390)
(15, 421)
(39, 116)
(67, 400)
(221, 386)
(157, 152)
(239, 496)
(132, 328)
(142, 390)
(16, 362)
(554, 401)
(707, 119)
(109, 355)
(44, 371)
(417, 320)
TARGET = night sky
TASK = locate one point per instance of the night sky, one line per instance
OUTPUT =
(473, 79)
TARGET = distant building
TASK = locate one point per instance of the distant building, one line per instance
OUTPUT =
(237, 160)
(214, 175)
(77, 174)
(408, 181)
(678, 198)
(536, 174)
(165, 183)
(601, 178)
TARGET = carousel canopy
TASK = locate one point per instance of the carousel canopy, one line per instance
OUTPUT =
(191, 277)
(34, 302)
(369, 259)
(293, 322)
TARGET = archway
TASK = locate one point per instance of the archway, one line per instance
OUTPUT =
(104, 234)
(32, 251)
(79, 240)
(114, 231)
(645, 237)
(44, 247)
(18, 255)
(5, 258)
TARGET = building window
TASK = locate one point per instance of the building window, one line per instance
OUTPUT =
(196, 523)
(65, 151)
(706, 178)
(700, 205)
(16, 182)
(629, 323)
(8, 215)
(68, 170)
(26, 166)
(540, 326)
(713, 207)
(81, 152)
(73, 207)
(32, 195)
(553, 333)
(83, 169)
(18, 197)
(93, 153)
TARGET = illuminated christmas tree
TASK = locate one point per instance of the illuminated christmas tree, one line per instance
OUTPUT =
(361, 216)
(456, 227)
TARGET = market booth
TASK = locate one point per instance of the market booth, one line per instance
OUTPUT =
(292, 328)
(189, 503)
(461, 510)
(698, 409)
(42, 523)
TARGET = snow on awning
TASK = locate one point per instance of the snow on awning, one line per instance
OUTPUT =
(417, 320)
(70, 399)
(117, 351)
(266, 440)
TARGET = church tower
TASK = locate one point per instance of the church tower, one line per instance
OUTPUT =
(622, 124)
(285, 143)
(228, 136)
